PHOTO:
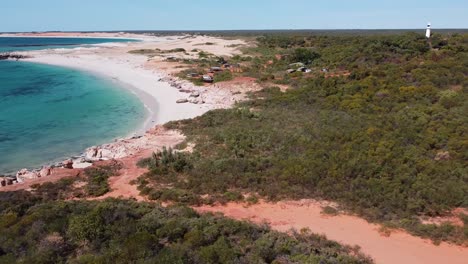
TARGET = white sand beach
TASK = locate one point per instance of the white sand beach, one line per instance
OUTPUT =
(150, 80)
(159, 97)
(113, 61)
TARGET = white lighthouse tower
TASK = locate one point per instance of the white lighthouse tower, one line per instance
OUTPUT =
(428, 30)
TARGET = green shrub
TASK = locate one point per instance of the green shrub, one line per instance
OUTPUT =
(223, 76)
(328, 210)
(129, 232)
(97, 178)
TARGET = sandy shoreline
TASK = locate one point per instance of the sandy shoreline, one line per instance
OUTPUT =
(154, 87)
(158, 97)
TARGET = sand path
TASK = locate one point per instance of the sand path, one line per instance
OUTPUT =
(399, 247)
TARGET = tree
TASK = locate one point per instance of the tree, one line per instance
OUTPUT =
(304, 55)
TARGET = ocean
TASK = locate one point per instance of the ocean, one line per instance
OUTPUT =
(48, 113)
(27, 43)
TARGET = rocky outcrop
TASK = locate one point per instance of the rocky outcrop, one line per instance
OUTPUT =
(68, 164)
(10, 56)
(45, 171)
(25, 175)
(6, 181)
(82, 163)
(182, 101)
(196, 101)
(92, 152)
(195, 94)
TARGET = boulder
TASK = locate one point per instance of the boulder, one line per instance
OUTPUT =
(68, 164)
(45, 171)
(195, 94)
(182, 101)
(24, 175)
(196, 101)
(105, 154)
(82, 165)
(21, 172)
(91, 152)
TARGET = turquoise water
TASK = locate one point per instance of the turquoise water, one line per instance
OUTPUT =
(48, 113)
(22, 44)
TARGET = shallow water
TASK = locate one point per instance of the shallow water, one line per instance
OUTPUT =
(27, 43)
(48, 113)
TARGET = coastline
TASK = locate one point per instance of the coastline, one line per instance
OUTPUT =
(156, 89)
(158, 96)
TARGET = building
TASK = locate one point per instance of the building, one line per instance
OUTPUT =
(428, 30)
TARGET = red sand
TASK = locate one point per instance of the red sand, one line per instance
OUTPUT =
(399, 247)
(120, 185)
(56, 175)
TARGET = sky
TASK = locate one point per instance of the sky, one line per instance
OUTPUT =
(106, 15)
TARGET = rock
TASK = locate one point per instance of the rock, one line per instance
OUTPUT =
(182, 101)
(185, 91)
(195, 94)
(22, 172)
(24, 175)
(68, 164)
(82, 165)
(196, 101)
(5, 181)
(442, 155)
(45, 171)
(91, 152)
(105, 154)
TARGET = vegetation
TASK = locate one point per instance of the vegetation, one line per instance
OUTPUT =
(36, 230)
(144, 51)
(97, 178)
(328, 210)
(223, 76)
(93, 183)
(156, 51)
(369, 134)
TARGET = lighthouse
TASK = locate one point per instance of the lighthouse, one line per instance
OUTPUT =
(428, 30)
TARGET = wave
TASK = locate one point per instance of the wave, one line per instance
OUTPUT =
(42, 45)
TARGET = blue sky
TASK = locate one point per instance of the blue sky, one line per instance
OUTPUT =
(70, 15)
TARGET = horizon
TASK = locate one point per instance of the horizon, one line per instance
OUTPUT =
(231, 30)
(208, 15)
